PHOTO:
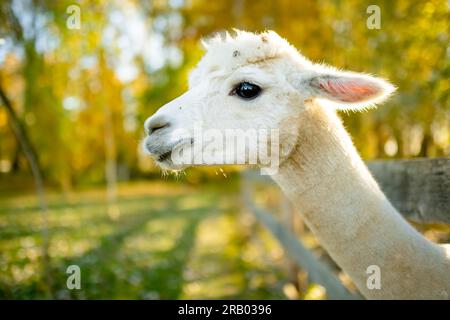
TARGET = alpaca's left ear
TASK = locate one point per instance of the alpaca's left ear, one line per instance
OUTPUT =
(349, 90)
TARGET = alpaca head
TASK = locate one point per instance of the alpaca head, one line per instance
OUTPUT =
(250, 82)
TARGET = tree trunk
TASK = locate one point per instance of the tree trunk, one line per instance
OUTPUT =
(15, 163)
(110, 165)
(26, 146)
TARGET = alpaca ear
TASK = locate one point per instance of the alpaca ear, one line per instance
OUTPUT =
(349, 90)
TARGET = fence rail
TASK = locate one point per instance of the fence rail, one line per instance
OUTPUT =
(418, 188)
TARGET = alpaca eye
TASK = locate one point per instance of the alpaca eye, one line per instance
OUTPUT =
(247, 90)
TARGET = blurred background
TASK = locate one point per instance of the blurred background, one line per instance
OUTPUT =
(76, 189)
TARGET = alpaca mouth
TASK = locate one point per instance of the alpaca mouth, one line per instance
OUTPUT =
(153, 148)
(163, 157)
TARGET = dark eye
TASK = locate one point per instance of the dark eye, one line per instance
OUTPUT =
(247, 90)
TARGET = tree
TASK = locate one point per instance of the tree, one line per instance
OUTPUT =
(30, 154)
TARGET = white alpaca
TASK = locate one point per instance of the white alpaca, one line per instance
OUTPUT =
(260, 81)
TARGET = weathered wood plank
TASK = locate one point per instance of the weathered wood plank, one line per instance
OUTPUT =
(418, 188)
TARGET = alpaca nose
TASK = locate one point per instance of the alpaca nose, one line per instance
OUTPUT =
(153, 124)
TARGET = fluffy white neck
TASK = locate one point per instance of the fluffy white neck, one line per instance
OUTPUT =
(344, 207)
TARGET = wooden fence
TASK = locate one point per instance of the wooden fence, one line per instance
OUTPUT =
(418, 188)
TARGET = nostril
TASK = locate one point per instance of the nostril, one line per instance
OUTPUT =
(155, 124)
(157, 127)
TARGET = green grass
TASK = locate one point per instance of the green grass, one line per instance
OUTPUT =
(164, 240)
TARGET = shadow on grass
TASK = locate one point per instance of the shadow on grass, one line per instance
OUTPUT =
(166, 278)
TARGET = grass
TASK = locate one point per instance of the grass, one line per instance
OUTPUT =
(163, 240)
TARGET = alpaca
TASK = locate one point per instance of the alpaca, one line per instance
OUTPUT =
(260, 81)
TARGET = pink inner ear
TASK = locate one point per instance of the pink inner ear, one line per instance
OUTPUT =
(346, 90)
